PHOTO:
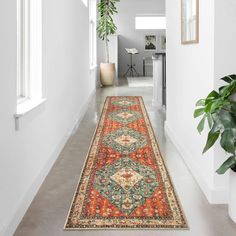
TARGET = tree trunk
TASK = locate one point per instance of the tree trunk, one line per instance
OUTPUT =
(106, 39)
(107, 51)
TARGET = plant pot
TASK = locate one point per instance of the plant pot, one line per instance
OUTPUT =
(107, 73)
(232, 194)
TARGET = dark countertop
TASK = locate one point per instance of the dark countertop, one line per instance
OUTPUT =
(156, 55)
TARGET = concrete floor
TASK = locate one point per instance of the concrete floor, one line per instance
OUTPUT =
(47, 213)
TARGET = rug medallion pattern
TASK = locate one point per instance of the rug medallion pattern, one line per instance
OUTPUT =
(124, 183)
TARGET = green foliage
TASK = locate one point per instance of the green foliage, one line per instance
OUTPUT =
(219, 109)
(106, 25)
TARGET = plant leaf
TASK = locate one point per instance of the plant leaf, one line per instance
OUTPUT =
(210, 120)
(208, 107)
(200, 102)
(233, 76)
(227, 119)
(233, 106)
(215, 105)
(222, 87)
(211, 139)
(228, 90)
(227, 141)
(198, 112)
(229, 163)
(213, 94)
(201, 124)
(227, 79)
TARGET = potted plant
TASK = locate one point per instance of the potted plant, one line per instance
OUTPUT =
(219, 110)
(105, 28)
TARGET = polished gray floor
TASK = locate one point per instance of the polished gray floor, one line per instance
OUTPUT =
(47, 214)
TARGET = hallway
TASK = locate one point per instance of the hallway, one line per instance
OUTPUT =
(48, 211)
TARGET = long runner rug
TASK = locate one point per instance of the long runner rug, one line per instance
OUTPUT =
(124, 182)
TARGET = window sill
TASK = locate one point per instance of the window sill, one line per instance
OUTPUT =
(26, 107)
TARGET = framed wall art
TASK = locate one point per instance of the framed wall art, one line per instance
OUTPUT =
(150, 43)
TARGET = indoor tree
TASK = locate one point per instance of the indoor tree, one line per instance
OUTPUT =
(106, 25)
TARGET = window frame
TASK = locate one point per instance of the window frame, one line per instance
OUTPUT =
(29, 52)
(22, 50)
(92, 34)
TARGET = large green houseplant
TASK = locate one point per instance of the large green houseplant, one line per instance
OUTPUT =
(105, 28)
(219, 109)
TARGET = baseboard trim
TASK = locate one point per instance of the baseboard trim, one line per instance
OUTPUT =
(213, 195)
(29, 196)
(81, 114)
(12, 223)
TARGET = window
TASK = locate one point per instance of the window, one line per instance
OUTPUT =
(29, 51)
(92, 33)
(150, 22)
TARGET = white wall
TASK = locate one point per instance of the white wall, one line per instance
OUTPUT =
(192, 72)
(225, 63)
(225, 37)
(131, 38)
(27, 155)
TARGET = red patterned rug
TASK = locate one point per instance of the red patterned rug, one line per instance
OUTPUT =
(124, 183)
